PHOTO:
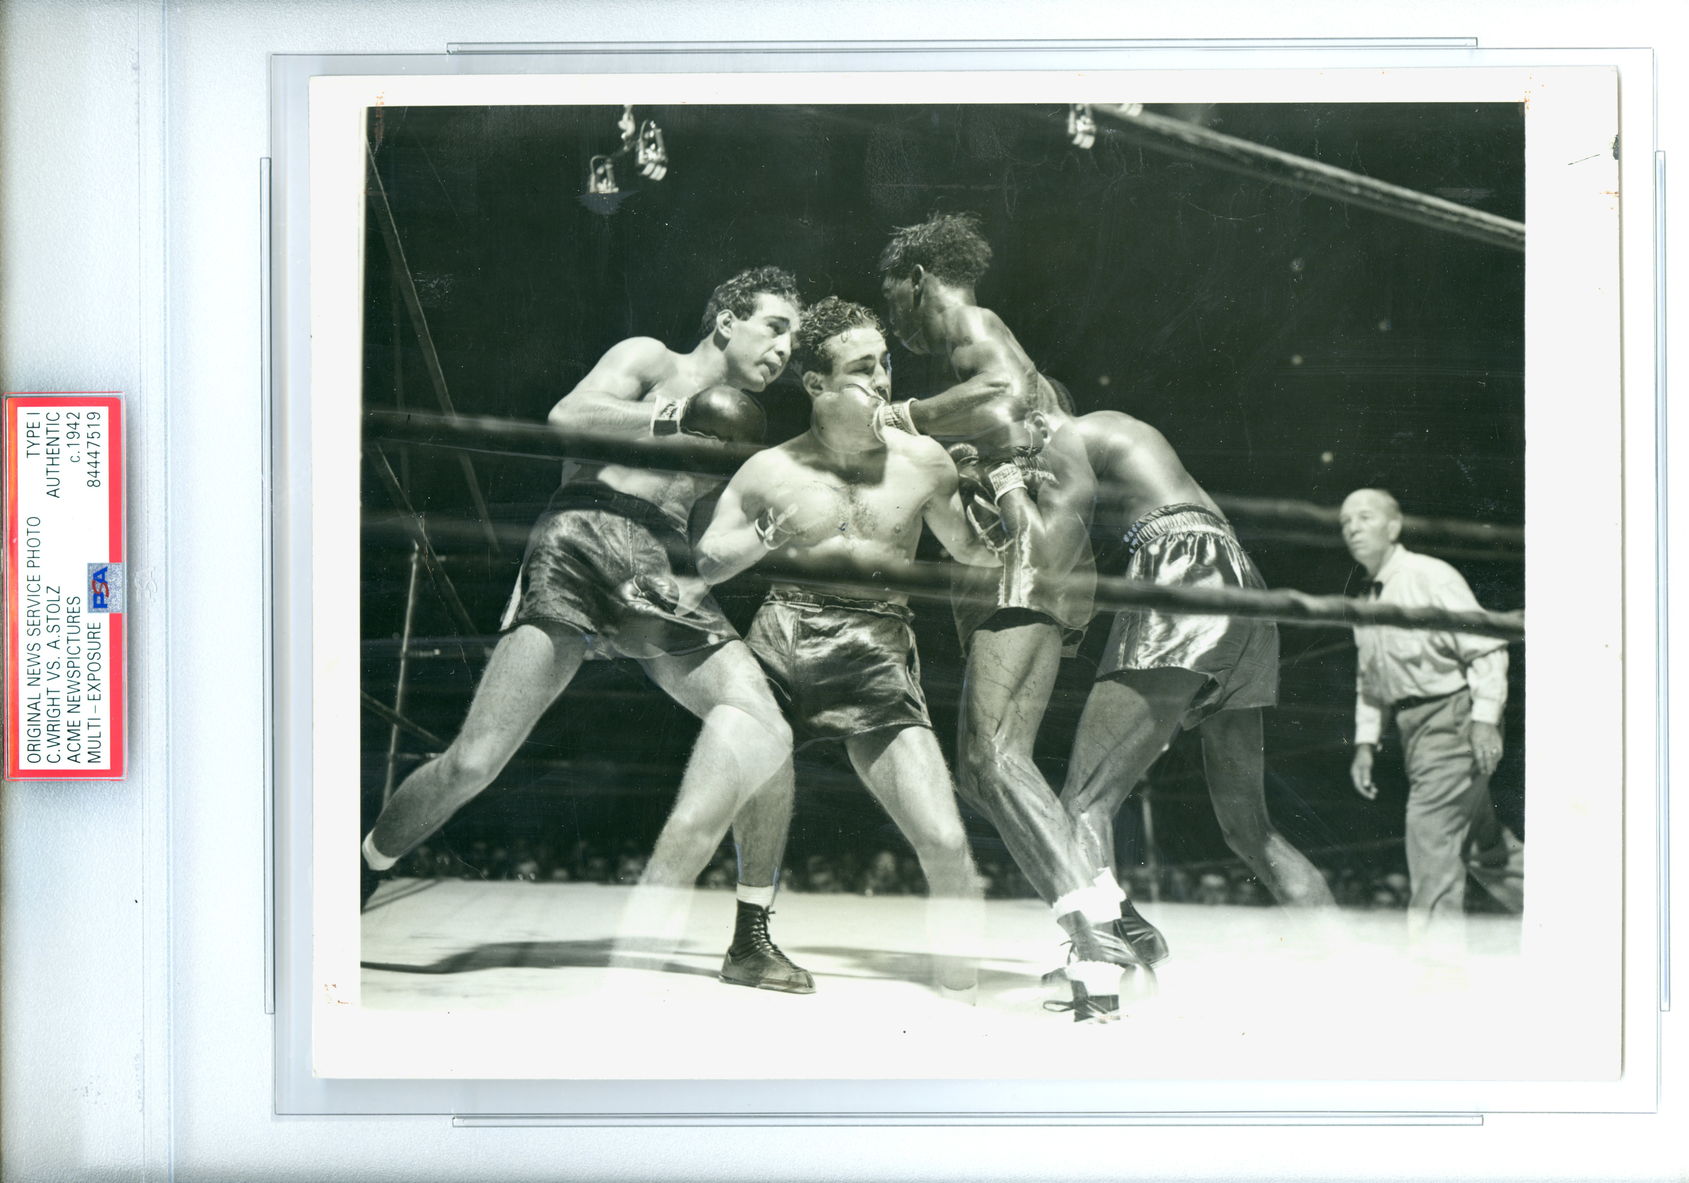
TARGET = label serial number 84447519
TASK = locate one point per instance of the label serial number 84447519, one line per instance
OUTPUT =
(85, 430)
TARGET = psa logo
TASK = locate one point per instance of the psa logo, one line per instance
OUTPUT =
(105, 587)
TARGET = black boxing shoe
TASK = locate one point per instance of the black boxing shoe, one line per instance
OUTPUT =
(1104, 943)
(1097, 942)
(1087, 1007)
(753, 959)
(1144, 938)
(368, 881)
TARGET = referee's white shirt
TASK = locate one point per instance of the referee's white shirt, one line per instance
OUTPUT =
(1399, 663)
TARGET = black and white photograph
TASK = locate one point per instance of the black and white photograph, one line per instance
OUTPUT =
(962, 591)
(935, 582)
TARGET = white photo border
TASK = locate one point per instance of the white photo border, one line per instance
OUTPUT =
(1591, 936)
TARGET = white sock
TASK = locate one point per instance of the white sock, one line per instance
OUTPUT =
(1100, 908)
(1092, 902)
(376, 860)
(1098, 977)
(1073, 901)
(762, 897)
(1106, 883)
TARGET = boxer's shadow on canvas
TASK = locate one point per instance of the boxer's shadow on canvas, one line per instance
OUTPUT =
(592, 954)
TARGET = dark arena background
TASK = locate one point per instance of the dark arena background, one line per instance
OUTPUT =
(1290, 345)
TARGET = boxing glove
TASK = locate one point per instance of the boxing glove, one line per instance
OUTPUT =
(1010, 460)
(718, 412)
(649, 607)
(979, 500)
(894, 417)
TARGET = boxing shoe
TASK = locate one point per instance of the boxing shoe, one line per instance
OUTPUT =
(755, 960)
(1144, 938)
(1103, 944)
(1087, 1007)
(368, 881)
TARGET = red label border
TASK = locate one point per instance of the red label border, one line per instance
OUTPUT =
(112, 402)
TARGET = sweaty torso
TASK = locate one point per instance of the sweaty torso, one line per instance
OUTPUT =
(672, 492)
(1137, 469)
(868, 508)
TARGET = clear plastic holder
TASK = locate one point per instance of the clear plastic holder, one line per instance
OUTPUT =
(1594, 884)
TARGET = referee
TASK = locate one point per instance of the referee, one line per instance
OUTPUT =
(1446, 691)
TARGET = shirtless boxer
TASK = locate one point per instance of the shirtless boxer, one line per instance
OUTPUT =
(599, 565)
(846, 667)
(1012, 632)
(1162, 670)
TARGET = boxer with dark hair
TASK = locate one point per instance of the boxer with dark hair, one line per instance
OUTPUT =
(845, 666)
(605, 566)
(1034, 499)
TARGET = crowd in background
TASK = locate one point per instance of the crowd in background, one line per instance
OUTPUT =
(1356, 882)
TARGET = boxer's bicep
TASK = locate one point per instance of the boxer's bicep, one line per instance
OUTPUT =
(608, 398)
(992, 390)
(1064, 520)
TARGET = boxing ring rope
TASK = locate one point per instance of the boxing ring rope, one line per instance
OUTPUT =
(419, 320)
(501, 437)
(1114, 594)
(927, 579)
(1201, 145)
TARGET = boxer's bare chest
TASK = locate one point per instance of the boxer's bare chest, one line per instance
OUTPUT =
(879, 501)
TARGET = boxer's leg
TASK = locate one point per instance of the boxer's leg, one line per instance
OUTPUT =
(1232, 759)
(1010, 674)
(739, 774)
(904, 770)
(529, 668)
(1129, 719)
(741, 759)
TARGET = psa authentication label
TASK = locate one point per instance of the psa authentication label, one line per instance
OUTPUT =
(64, 586)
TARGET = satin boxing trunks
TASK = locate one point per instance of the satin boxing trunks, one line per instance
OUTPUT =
(840, 667)
(1191, 546)
(1022, 592)
(583, 552)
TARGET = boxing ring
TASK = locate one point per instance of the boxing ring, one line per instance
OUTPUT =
(541, 945)
(1245, 985)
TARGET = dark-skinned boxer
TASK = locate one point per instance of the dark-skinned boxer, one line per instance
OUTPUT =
(1013, 625)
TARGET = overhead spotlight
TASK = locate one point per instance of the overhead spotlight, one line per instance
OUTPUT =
(1081, 125)
(602, 194)
(641, 148)
(651, 155)
(601, 176)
